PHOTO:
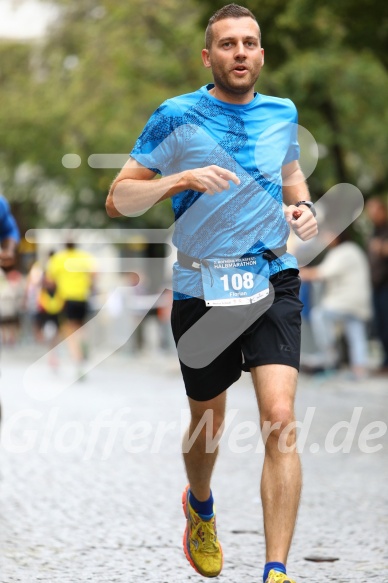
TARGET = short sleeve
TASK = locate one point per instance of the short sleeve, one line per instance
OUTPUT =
(293, 152)
(157, 147)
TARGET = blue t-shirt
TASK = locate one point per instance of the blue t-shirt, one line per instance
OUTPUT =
(253, 140)
(8, 226)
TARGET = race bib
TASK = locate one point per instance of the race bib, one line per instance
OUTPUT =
(235, 282)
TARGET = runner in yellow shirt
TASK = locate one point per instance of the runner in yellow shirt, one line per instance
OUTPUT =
(73, 272)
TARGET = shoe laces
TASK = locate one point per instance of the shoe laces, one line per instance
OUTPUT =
(277, 577)
(206, 532)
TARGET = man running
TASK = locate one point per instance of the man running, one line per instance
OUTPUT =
(228, 160)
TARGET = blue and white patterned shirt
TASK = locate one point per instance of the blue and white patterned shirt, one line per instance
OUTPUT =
(253, 140)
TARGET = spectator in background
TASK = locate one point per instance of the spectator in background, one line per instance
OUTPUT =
(11, 305)
(49, 308)
(345, 303)
(9, 235)
(378, 258)
(31, 299)
(34, 300)
(9, 281)
(72, 272)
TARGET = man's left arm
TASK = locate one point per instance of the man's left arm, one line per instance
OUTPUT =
(295, 189)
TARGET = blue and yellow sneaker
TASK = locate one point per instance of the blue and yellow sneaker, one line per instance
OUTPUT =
(200, 543)
(277, 577)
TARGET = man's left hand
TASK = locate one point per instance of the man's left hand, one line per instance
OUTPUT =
(302, 221)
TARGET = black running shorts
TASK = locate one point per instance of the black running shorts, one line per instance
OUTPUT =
(75, 311)
(268, 335)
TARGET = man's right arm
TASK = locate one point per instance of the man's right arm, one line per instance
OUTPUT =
(134, 191)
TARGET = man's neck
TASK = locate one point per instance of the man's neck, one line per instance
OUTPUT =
(242, 99)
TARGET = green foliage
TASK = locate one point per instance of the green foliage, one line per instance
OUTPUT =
(90, 88)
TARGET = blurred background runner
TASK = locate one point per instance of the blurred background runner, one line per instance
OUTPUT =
(72, 272)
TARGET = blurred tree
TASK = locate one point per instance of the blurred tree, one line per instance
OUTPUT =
(88, 89)
(14, 131)
(366, 25)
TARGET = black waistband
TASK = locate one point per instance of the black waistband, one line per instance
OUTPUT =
(195, 263)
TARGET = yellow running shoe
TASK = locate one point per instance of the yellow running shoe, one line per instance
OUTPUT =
(276, 577)
(200, 543)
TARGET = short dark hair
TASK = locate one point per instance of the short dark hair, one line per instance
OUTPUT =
(228, 11)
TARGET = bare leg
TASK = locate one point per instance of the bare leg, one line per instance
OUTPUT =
(281, 481)
(200, 443)
(72, 332)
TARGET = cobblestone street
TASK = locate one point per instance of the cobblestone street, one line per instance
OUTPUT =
(91, 479)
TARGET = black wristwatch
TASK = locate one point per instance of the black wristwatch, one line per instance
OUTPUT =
(309, 204)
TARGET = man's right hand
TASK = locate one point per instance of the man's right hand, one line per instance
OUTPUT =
(134, 189)
(210, 179)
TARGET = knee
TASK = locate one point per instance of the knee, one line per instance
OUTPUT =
(208, 423)
(278, 421)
